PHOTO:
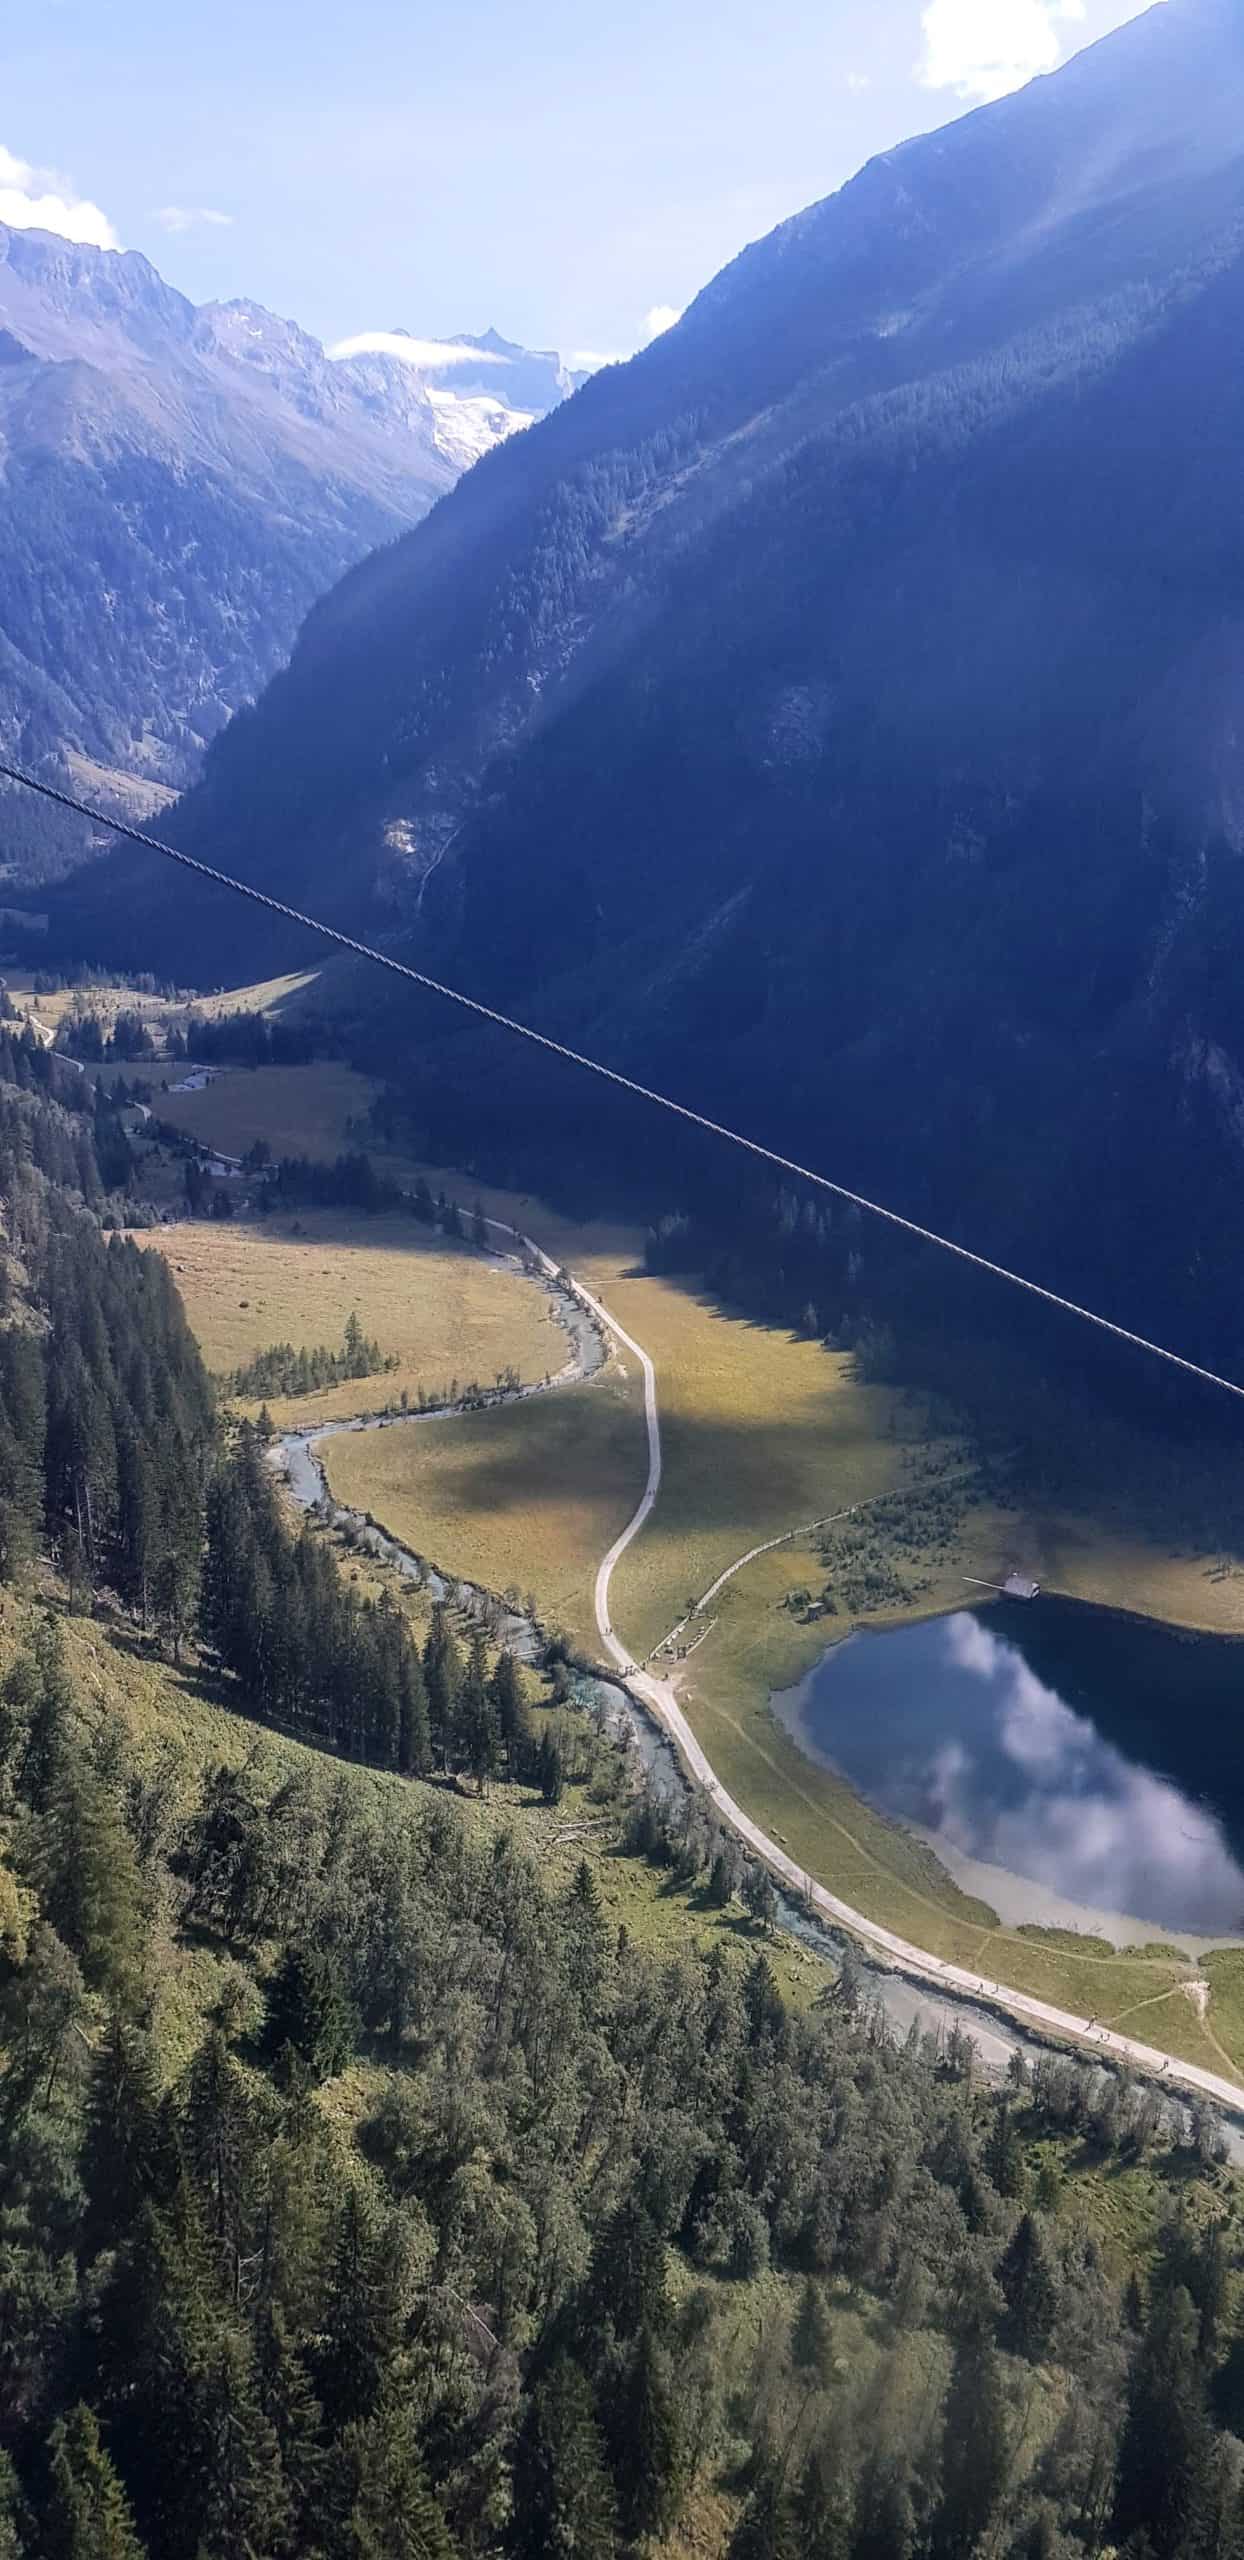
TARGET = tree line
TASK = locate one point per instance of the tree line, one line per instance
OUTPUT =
(312, 1658)
(283, 1371)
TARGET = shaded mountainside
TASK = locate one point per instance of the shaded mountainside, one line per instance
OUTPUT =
(833, 711)
(177, 486)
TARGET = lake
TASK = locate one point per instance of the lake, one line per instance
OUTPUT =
(1070, 1766)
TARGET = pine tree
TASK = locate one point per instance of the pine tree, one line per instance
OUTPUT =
(246, 2504)
(90, 1885)
(362, 2314)
(379, 2482)
(157, 2326)
(626, 2279)
(812, 2338)
(760, 1896)
(1164, 2476)
(763, 2002)
(821, 2509)
(550, 1769)
(765, 2529)
(1004, 2154)
(975, 2451)
(309, 2016)
(23, 1435)
(87, 2516)
(414, 1734)
(476, 1720)
(512, 1724)
(645, 2442)
(563, 2497)
(46, 1756)
(128, 2158)
(289, 2404)
(223, 2131)
(885, 2515)
(587, 1932)
(1030, 2285)
(442, 1673)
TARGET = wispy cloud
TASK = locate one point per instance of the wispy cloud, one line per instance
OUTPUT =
(39, 200)
(982, 49)
(429, 355)
(662, 316)
(188, 217)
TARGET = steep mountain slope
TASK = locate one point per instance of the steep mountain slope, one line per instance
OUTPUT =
(178, 485)
(835, 708)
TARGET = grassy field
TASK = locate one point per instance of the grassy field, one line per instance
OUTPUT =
(1122, 1568)
(444, 1311)
(319, 1110)
(271, 995)
(528, 1496)
(52, 1010)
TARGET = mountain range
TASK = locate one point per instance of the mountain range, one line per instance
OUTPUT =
(833, 713)
(178, 485)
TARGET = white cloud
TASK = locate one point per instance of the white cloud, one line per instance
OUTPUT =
(430, 355)
(590, 359)
(984, 48)
(186, 217)
(858, 82)
(38, 200)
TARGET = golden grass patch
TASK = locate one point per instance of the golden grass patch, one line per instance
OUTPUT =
(443, 1310)
(269, 995)
(527, 1496)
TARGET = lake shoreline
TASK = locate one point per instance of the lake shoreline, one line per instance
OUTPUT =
(1036, 1756)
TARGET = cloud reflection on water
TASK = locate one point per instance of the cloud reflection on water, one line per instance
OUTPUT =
(947, 1725)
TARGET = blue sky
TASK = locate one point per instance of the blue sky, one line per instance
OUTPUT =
(565, 171)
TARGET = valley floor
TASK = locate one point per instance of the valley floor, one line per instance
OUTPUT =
(761, 1433)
